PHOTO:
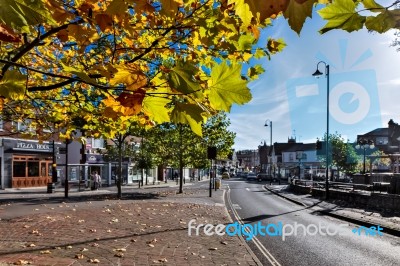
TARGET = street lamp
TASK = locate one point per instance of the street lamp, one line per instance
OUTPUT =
(365, 144)
(269, 123)
(318, 73)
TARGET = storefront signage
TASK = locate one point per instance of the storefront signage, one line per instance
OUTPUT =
(32, 146)
(94, 158)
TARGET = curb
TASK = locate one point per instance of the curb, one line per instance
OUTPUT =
(287, 198)
(387, 230)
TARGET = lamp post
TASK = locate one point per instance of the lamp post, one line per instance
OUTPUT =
(318, 73)
(269, 123)
(364, 144)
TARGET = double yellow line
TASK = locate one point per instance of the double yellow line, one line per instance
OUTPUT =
(255, 240)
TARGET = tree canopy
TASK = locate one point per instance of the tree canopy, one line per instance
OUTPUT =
(159, 61)
(151, 61)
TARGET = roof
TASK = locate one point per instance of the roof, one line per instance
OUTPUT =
(301, 147)
(377, 132)
(280, 147)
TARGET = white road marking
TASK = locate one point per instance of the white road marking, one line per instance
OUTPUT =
(236, 206)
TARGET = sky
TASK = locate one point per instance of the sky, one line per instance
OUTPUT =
(364, 85)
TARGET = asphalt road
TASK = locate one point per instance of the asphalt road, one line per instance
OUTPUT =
(250, 203)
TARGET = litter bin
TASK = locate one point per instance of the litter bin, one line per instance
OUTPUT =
(217, 183)
(51, 187)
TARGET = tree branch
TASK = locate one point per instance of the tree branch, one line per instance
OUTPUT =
(27, 47)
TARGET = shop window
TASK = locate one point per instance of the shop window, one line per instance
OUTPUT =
(33, 169)
(19, 169)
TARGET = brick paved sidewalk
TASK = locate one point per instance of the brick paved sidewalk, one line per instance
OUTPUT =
(121, 232)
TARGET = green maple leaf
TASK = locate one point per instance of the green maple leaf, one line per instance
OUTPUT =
(242, 9)
(260, 53)
(382, 22)
(372, 5)
(254, 71)
(227, 87)
(190, 114)
(21, 14)
(246, 41)
(13, 85)
(341, 14)
(297, 13)
(155, 108)
(181, 79)
(80, 74)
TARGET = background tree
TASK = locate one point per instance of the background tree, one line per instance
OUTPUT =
(178, 146)
(342, 155)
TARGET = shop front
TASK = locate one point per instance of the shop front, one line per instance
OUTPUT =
(26, 163)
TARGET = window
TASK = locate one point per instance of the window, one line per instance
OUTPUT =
(33, 169)
(29, 166)
(23, 126)
(1, 124)
(381, 141)
(98, 143)
(19, 169)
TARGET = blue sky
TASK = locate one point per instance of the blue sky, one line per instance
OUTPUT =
(364, 86)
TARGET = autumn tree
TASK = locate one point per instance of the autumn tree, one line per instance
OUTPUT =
(161, 61)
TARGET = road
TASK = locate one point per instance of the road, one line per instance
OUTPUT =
(250, 203)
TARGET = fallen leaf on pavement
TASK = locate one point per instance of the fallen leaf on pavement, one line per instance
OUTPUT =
(94, 261)
(45, 252)
(119, 254)
(152, 241)
(151, 245)
(22, 262)
(213, 249)
(79, 256)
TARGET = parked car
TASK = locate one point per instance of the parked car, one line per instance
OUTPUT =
(225, 175)
(243, 174)
(264, 177)
(251, 176)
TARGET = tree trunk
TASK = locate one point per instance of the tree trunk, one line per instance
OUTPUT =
(180, 160)
(119, 176)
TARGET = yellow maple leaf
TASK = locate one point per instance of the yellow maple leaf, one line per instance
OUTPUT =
(170, 7)
(131, 76)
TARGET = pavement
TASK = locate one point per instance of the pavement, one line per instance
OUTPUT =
(389, 221)
(146, 227)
